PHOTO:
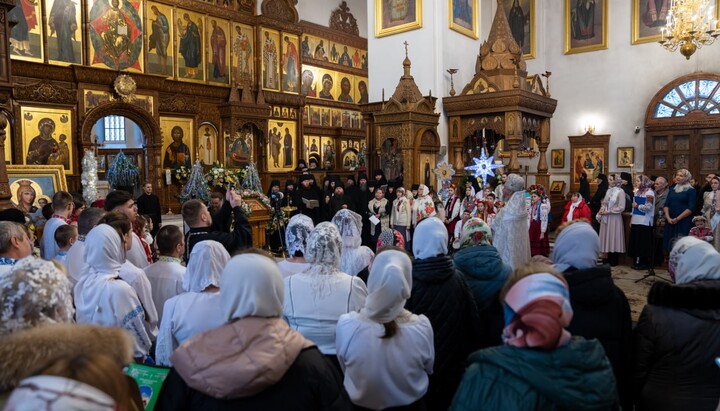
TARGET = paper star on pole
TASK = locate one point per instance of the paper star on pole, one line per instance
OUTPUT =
(484, 166)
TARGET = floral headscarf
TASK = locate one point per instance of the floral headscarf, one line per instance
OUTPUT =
(297, 232)
(34, 292)
(693, 259)
(475, 232)
(645, 185)
(390, 237)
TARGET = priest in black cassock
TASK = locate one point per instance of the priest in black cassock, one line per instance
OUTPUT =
(148, 203)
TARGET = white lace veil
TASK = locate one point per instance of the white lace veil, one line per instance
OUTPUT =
(35, 291)
(324, 249)
(349, 223)
(297, 232)
(205, 266)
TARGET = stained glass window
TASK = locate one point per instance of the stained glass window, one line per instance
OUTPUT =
(690, 96)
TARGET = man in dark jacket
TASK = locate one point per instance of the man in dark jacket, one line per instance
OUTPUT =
(149, 204)
(204, 227)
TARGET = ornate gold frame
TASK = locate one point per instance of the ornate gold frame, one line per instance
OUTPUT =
(530, 55)
(621, 150)
(593, 47)
(381, 32)
(474, 33)
(561, 151)
(55, 172)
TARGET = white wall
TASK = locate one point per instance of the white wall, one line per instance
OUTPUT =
(610, 88)
(318, 12)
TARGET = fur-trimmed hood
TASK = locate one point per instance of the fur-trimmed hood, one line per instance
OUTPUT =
(700, 299)
(25, 351)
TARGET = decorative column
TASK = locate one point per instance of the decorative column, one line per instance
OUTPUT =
(542, 176)
(513, 137)
(4, 181)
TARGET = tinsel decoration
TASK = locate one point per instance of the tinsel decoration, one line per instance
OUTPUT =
(122, 172)
(89, 177)
(251, 181)
(196, 186)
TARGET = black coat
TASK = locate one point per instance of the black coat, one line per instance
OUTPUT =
(239, 238)
(311, 383)
(441, 294)
(150, 205)
(676, 341)
(601, 310)
(309, 193)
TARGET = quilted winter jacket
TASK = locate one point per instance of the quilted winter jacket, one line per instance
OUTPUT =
(601, 310)
(441, 294)
(676, 341)
(485, 274)
(576, 376)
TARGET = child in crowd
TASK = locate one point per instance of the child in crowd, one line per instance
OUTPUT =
(701, 230)
(65, 237)
(458, 228)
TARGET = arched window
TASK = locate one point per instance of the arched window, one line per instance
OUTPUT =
(692, 95)
(114, 127)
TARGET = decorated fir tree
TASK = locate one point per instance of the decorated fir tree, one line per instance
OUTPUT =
(123, 173)
(251, 181)
(196, 186)
(89, 177)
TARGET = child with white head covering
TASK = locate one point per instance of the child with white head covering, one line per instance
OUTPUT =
(678, 333)
(101, 297)
(386, 351)
(296, 233)
(254, 360)
(198, 309)
(318, 296)
(355, 257)
(510, 226)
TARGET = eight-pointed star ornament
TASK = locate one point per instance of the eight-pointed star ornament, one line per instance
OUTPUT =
(484, 166)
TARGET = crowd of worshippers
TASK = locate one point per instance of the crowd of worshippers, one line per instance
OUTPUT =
(338, 326)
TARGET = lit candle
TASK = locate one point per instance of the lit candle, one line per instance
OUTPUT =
(168, 176)
(483, 132)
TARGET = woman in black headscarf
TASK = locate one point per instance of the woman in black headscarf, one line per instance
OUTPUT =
(596, 200)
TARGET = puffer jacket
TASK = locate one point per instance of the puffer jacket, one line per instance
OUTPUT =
(485, 274)
(441, 294)
(601, 310)
(676, 341)
(252, 364)
(576, 376)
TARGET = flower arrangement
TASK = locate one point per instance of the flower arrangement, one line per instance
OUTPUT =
(257, 195)
(181, 173)
(219, 176)
(277, 220)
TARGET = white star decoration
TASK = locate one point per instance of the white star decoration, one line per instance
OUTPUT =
(484, 166)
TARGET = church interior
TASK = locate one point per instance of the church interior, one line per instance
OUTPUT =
(464, 103)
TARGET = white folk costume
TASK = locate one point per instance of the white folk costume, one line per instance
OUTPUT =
(423, 206)
(166, 277)
(136, 254)
(386, 372)
(75, 263)
(401, 216)
(139, 282)
(317, 297)
(196, 310)
(510, 228)
(101, 297)
(355, 256)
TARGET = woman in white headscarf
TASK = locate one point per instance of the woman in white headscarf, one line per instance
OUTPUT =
(510, 225)
(296, 233)
(101, 297)
(254, 361)
(198, 309)
(422, 206)
(386, 351)
(677, 337)
(355, 256)
(318, 296)
(612, 231)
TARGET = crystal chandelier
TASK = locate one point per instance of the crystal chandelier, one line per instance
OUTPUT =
(690, 25)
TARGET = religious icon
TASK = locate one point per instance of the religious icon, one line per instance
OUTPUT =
(585, 25)
(190, 47)
(521, 16)
(397, 16)
(328, 153)
(391, 161)
(309, 80)
(291, 64)
(327, 85)
(177, 142)
(51, 144)
(346, 82)
(243, 42)
(94, 98)
(217, 40)
(281, 145)
(64, 32)
(361, 90)
(159, 58)
(463, 17)
(26, 35)
(116, 34)
(239, 147)
(31, 184)
(207, 143)
(270, 59)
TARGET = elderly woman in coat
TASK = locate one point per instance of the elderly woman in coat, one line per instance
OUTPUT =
(612, 232)
(677, 337)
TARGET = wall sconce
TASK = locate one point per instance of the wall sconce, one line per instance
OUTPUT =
(590, 128)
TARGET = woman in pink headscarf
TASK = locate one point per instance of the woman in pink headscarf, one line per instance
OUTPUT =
(540, 366)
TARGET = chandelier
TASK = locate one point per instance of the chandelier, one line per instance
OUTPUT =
(690, 25)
